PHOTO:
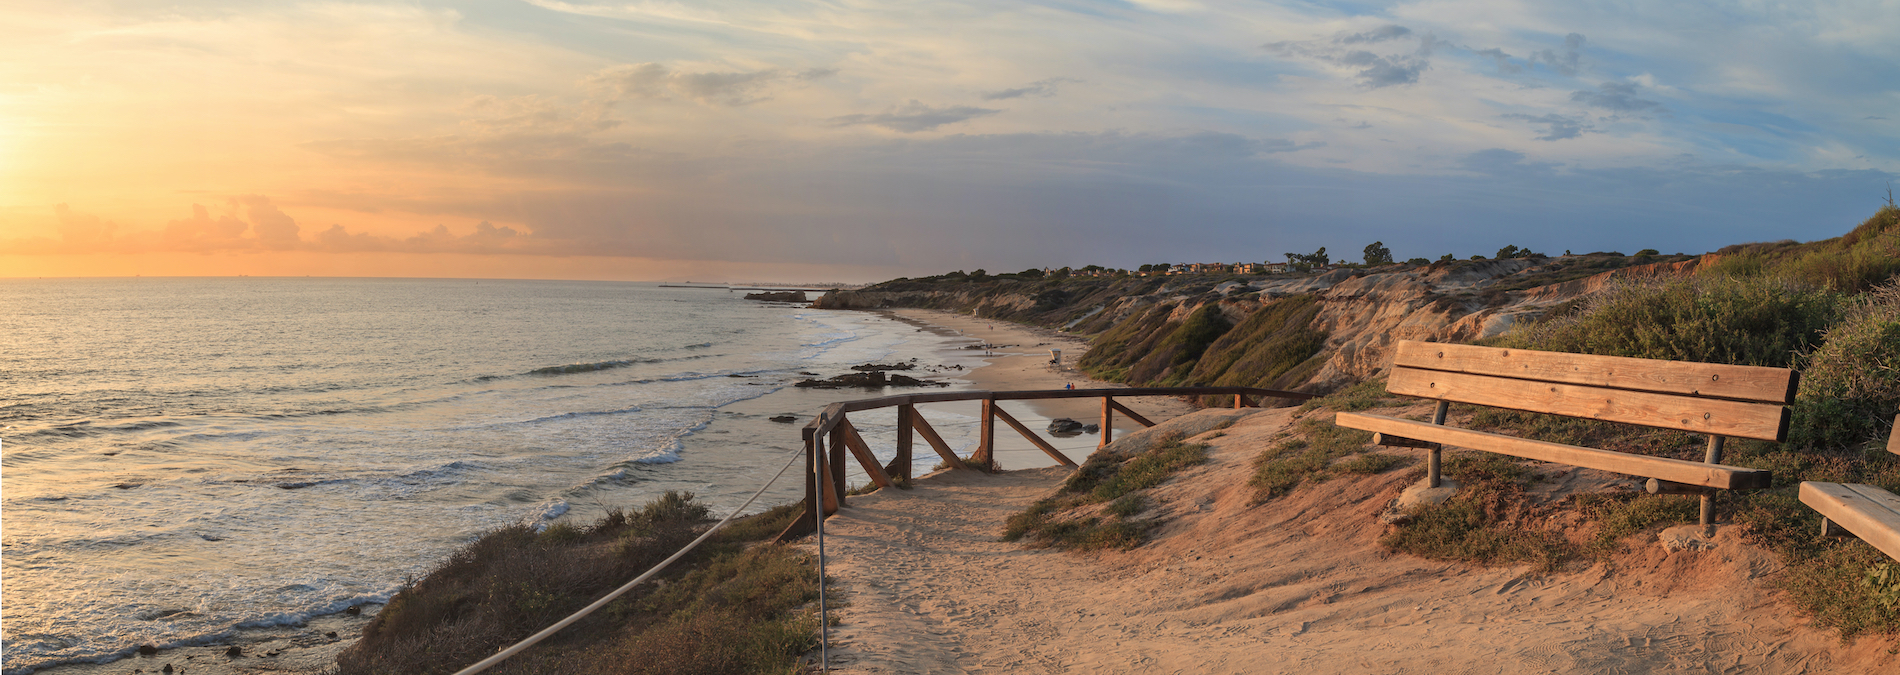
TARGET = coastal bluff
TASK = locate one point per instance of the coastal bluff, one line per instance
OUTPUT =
(1354, 318)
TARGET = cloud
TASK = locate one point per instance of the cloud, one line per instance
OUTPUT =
(1567, 62)
(1557, 127)
(273, 227)
(1372, 69)
(1380, 34)
(656, 81)
(1044, 88)
(914, 117)
(82, 228)
(1617, 96)
(1384, 71)
(1505, 67)
(487, 239)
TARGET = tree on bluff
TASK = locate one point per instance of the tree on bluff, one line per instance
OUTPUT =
(1378, 254)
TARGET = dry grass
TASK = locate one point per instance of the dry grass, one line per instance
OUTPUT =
(1066, 520)
(730, 606)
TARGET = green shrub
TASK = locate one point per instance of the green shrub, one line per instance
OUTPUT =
(1483, 522)
(1850, 386)
(1743, 321)
(1106, 477)
(1283, 467)
(1620, 515)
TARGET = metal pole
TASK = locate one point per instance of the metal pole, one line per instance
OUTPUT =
(824, 608)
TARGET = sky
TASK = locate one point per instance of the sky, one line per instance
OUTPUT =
(860, 140)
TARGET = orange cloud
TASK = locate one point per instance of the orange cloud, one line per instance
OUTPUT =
(252, 223)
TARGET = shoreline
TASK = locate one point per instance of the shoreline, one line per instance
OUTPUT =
(1020, 360)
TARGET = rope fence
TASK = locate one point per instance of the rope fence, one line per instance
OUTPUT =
(545, 633)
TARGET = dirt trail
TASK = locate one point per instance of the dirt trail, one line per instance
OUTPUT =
(1299, 584)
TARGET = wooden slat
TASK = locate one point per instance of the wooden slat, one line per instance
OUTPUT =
(1744, 383)
(862, 451)
(1763, 421)
(1849, 507)
(1877, 495)
(1143, 421)
(1033, 438)
(1893, 440)
(1674, 470)
(936, 442)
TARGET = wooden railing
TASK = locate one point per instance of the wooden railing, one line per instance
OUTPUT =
(830, 435)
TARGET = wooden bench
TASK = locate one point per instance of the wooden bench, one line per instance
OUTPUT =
(1714, 399)
(1866, 511)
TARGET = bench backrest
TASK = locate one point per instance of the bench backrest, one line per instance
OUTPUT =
(1723, 400)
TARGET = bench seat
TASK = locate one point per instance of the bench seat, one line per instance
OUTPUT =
(1869, 512)
(1673, 470)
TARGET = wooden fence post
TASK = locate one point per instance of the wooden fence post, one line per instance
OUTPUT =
(985, 458)
(899, 467)
(1108, 423)
(835, 461)
(830, 496)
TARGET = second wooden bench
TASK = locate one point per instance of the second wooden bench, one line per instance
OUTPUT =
(1719, 400)
(1866, 511)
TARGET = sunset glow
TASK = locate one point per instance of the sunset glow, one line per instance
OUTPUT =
(865, 140)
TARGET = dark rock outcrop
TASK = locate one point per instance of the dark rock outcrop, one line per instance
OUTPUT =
(778, 296)
(870, 380)
(1064, 425)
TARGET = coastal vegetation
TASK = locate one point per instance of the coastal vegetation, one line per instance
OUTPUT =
(1096, 506)
(1829, 309)
(733, 605)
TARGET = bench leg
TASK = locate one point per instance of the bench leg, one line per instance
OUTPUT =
(1713, 456)
(1434, 456)
(1829, 529)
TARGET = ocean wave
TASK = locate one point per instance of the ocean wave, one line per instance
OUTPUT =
(86, 429)
(545, 515)
(448, 470)
(573, 368)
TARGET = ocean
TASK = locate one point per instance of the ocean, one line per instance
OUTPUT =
(185, 459)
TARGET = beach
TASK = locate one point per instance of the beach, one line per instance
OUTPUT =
(729, 447)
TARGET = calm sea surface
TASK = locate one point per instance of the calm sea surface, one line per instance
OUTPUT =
(185, 458)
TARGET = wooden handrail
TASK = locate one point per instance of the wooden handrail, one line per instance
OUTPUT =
(830, 434)
(836, 411)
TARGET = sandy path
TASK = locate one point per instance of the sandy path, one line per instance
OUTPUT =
(1298, 584)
